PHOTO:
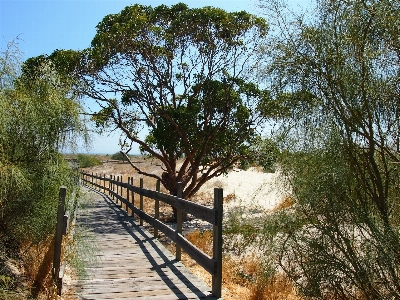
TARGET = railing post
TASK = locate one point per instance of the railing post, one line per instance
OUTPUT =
(104, 183)
(92, 179)
(128, 196)
(157, 209)
(133, 199)
(179, 221)
(113, 188)
(141, 201)
(58, 237)
(109, 185)
(116, 201)
(217, 244)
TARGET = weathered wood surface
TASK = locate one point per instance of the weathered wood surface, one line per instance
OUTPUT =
(130, 263)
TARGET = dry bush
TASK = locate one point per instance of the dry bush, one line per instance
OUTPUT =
(228, 198)
(286, 202)
(246, 278)
(276, 288)
(202, 240)
(249, 272)
(38, 261)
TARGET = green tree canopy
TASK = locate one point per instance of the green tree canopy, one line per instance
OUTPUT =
(184, 76)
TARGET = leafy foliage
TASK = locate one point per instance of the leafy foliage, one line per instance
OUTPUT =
(36, 120)
(341, 239)
(118, 156)
(184, 76)
(266, 154)
(86, 161)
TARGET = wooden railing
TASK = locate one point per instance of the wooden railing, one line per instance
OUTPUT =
(114, 187)
(61, 229)
(114, 161)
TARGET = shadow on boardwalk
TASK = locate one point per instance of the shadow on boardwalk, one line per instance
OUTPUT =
(130, 263)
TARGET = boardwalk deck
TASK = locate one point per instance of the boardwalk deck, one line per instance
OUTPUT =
(130, 263)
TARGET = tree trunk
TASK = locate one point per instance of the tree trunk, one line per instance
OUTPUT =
(171, 184)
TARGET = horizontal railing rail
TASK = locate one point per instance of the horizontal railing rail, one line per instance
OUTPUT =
(114, 187)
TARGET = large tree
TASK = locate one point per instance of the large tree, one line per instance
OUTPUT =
(339, 69)
(186, 77)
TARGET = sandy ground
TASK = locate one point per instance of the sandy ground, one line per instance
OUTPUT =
(251, 188)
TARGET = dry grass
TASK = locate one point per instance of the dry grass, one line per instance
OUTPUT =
(229, 198)
(246, 278)
(38, 260)
(285, 203)
(203, 198)
(202, 240)
(277, 288)
(243, 278)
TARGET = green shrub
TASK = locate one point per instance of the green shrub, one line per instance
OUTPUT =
(87, 161)
(118, 156)
(37, 118)
(266, 154)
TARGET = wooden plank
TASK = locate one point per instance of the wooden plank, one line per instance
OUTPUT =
(130, 263)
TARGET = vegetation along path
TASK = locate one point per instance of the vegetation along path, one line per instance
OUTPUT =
(130, 263)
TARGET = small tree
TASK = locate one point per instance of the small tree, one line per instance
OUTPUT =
(36, 120)
(87, 161)
(119, 156)
(184, 76)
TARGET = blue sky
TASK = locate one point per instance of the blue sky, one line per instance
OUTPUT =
(44, 26)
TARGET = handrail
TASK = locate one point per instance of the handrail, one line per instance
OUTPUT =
(213, 265)
(61, 229)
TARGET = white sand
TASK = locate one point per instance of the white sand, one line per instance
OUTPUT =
(250, 188)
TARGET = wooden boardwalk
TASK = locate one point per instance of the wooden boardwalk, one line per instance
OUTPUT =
(130, 263)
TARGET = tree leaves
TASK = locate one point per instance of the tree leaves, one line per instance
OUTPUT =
(335, 82)
(180, 73)
(38, 116)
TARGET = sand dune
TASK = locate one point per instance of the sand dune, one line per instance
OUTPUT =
(250, 188)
